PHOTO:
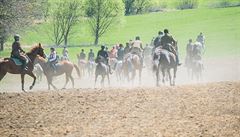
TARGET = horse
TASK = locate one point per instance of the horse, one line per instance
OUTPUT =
(63, 67)
(90, 67)
(194, 62)
(103, 70)
(8, 65)
(131, 64)
(164, 60)
(38, 71)
(82, 64)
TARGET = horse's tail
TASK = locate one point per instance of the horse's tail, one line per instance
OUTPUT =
(77, 69)
(155, 60)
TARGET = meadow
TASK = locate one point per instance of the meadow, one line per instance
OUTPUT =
(219, 25)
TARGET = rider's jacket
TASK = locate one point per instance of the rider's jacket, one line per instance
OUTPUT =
(167, 39)
(53, 57)
(16, 49)
(91, 56)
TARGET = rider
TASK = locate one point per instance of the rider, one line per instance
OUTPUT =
(201, 39)
(127, 48)
(82, 55)
(137, 48)
(103, 53)
(168, 43)
(113, 52)
(120, 52)
(189, 51)
(91, 55)
(157, 40)
(53, 59)
(65, 53)
(18, 52)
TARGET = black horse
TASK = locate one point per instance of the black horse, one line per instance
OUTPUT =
(164, 60)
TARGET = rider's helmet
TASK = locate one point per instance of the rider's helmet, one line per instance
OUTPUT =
(190, 40)
(160, 33)
(102, 47)
(166, 31)
(16, 37)
(137, 38)
(82, 50)
(91, 50)
(52, 49)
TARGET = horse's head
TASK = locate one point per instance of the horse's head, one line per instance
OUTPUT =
(38, 50)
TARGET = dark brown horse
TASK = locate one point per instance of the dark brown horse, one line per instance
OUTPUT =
(164, 60)
(8, 65)
(63, 67)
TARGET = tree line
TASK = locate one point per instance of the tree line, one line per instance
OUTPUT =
(100, 15)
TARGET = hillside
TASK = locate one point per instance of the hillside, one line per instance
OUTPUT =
(220, 26)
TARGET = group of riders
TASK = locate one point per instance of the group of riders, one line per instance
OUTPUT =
(164, 40)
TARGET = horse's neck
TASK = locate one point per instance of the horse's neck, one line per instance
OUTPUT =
(43, 64)
(31, 56)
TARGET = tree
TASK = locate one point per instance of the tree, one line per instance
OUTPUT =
(141, 5)
(65, 17)
(102, 14)
(15, 15)
(129, 6)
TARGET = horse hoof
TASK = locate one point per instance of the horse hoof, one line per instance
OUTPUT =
(24, 90)
(31, 87)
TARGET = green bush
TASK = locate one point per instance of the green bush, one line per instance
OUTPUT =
(186, 4)
(225, 3)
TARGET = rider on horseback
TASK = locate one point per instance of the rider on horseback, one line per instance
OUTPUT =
(137, 48)
(53, 59)
(103, 54)
(18, 52)
(91, 55)
(168, 43)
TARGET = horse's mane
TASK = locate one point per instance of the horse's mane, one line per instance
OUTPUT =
(35, 47)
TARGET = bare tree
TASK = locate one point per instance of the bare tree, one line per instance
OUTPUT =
(65, 17)
(141, 5)
(15, 15)
(102, 14)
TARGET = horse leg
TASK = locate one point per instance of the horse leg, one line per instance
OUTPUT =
(72, 80)
(140, 76)
(170, 77)
(108, 79)
(102, 81)
(67, 79)
(174, 75)
(34, 80)
(2, 74)
(96, 76)
(157, 76)
(22, 81)
(163, 74)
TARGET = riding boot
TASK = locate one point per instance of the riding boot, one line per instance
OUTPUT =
(24, 66)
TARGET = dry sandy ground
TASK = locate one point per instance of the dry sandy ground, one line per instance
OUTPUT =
(187, 110)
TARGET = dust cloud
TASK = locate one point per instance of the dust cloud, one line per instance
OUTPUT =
(215, 70)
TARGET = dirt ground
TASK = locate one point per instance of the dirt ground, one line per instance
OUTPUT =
(187, 110)
(210, 107)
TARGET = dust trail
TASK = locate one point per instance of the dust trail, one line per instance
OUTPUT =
(215, 69)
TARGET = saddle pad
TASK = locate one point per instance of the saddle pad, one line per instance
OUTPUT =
(18, 61)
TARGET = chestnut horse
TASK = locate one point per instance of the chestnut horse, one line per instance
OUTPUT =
(7, 65)
(61, 68)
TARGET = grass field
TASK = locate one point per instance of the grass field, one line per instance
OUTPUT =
(220, 26)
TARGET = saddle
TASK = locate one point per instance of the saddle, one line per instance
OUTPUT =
(18, 62)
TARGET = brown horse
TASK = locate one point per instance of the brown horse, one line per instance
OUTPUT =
(131, 64)
(62, 67)
(8, 65)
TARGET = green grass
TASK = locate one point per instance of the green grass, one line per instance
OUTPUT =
(220, 26)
